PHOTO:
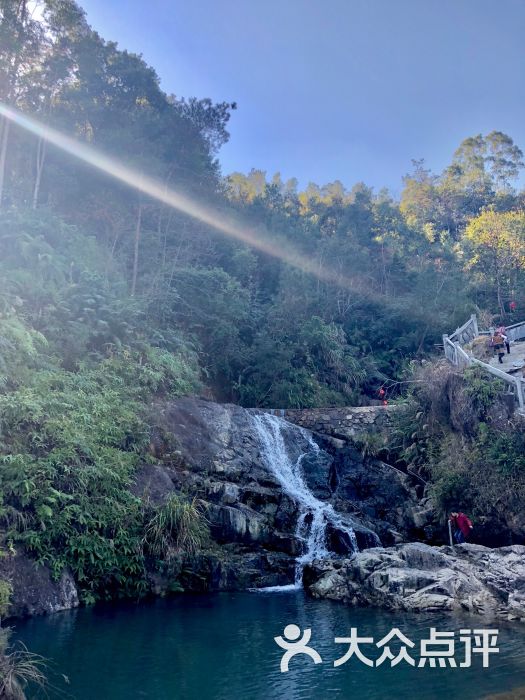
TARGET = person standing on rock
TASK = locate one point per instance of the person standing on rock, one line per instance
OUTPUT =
(463, 526)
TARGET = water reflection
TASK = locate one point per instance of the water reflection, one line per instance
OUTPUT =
(221, 647)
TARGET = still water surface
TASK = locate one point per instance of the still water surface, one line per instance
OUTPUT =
(220, 647)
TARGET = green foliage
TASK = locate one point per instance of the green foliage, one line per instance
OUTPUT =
(451, 433)
(370, 444)
(494, 248)
(412, 440)
(482, 390)
(70, 444)
(176, 527)
(110, 300)
(485, 476)
(5, 597)
(213, 308)
(19, 346)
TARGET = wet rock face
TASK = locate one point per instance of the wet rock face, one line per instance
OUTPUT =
(382, 498)
(418, 577)
(34, 590)
(211, 451)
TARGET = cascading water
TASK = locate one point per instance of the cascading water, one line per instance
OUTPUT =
(283, 451)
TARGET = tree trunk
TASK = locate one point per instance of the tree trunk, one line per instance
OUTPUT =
(498, 291)
(136, 251)
(3, 155)
(40, 159)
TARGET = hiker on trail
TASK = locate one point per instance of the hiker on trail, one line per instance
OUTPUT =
(498, 343)
(463, 526)
(503, 332)
(512, 306)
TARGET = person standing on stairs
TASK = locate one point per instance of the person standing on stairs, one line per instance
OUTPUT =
(503, 332)
(497, 343)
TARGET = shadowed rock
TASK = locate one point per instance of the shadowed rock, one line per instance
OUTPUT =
(34, 590)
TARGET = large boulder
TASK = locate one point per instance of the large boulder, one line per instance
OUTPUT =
(210, 451)
(34, 591)
(418, 577)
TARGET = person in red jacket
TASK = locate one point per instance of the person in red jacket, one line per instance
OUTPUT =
(463, 526)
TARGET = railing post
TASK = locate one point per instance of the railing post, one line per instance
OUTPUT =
(446, 349)
(519, 393)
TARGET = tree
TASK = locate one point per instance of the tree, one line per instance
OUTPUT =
(64, 24)
(494, 243)
(20, 47)
(505, 159)
(210, 119)
(419, 196)
(468, 164)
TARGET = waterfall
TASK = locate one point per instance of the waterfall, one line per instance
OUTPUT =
(283, 448)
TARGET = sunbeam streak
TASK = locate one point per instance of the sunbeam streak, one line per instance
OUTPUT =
(157, 190)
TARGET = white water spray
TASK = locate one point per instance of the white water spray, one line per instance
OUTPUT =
(314, 515)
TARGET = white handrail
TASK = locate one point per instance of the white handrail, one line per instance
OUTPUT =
(467, 331)
(457, 356)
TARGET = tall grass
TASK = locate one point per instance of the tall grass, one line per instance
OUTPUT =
(176, 527)
(18, 669)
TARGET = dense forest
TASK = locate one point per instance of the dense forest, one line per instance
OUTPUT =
(110, 298)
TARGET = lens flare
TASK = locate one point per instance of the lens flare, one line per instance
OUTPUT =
(260, 240)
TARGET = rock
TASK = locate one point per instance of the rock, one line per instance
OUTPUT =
(335, 442)
(316, 472)
(153, 483)
(380, 496)
(229, 570)
(230, 524)
(418, 577)
(34, 590)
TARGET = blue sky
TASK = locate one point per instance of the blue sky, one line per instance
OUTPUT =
(340, 89)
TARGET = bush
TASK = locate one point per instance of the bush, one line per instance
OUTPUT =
(176, 527)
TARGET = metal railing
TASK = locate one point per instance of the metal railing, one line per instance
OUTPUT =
(459, 357)
(516, 331)
(467, 332)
